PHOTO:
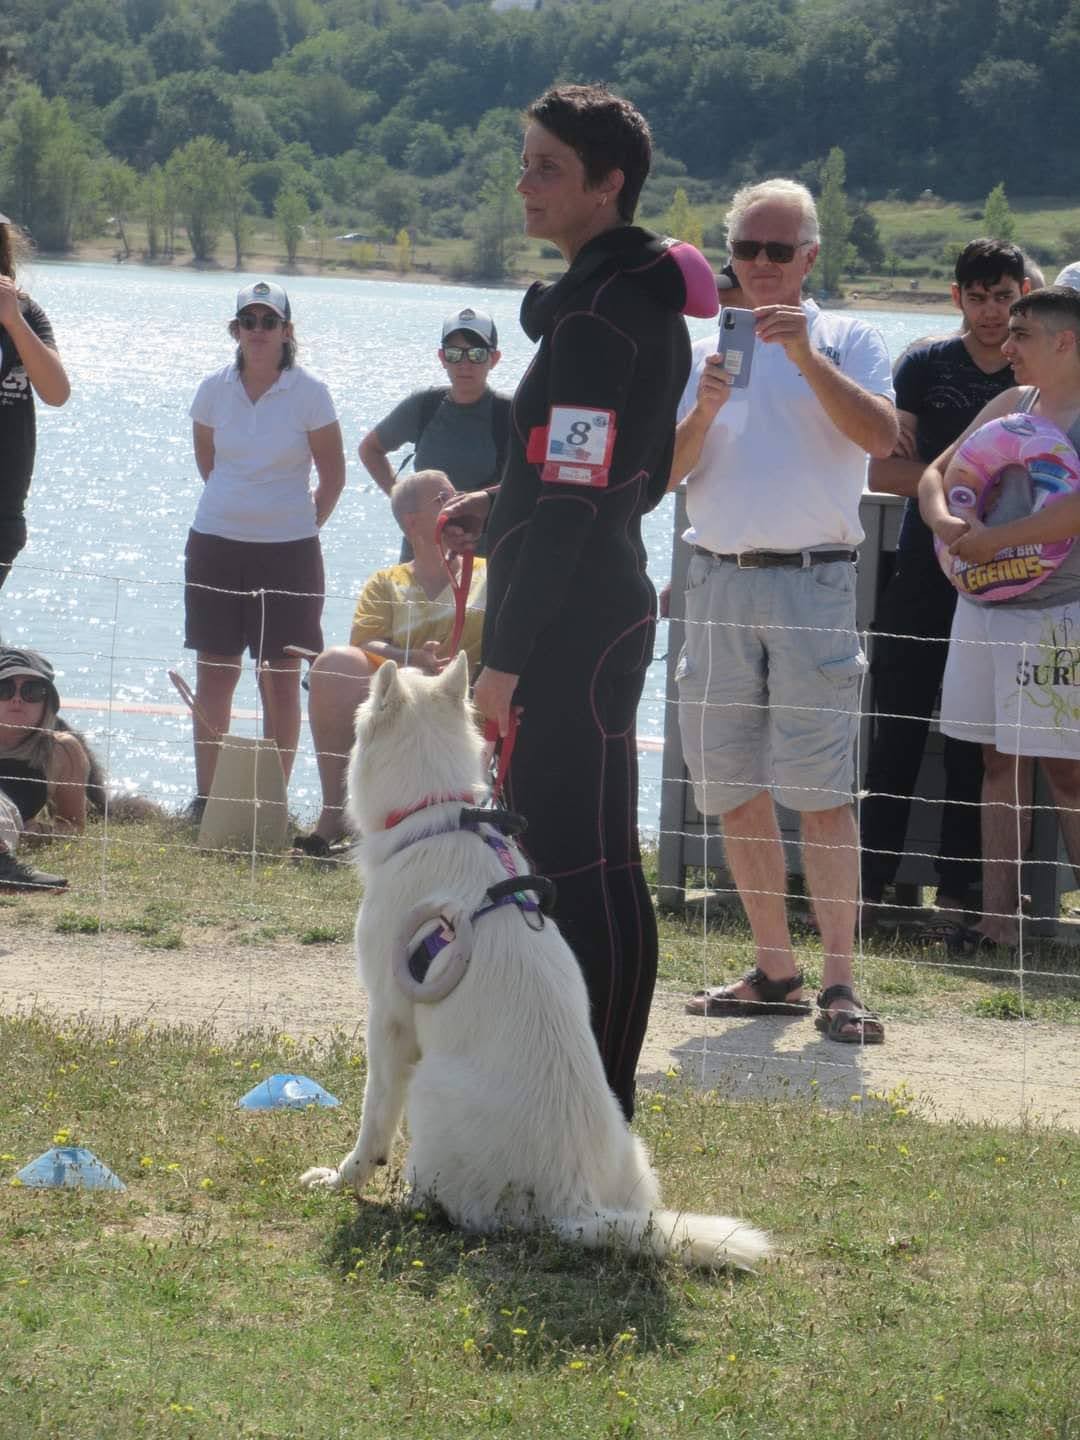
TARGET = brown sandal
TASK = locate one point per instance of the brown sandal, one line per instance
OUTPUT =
(774, 1001)
(831, 1022)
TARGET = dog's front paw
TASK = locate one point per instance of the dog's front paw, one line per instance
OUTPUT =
(356, 1172)
(321, 1178)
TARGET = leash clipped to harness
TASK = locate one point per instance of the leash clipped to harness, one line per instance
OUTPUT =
(435, 942)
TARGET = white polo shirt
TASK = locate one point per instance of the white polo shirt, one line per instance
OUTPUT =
(775, 473)
(259, 488)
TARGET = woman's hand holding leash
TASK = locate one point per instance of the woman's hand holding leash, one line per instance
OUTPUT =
(458, 528)
(492, 695)
(463, 519)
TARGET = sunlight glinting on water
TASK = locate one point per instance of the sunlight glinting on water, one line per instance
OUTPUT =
(99, 587)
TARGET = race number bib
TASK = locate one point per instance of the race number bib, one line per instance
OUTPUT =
(576, 447)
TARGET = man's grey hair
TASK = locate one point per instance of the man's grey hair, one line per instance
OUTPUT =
(410, 492)
(783, 192)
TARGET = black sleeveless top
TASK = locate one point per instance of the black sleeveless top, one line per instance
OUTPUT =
(25, 784)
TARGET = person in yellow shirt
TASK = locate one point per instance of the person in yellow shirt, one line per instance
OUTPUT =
(405, 613)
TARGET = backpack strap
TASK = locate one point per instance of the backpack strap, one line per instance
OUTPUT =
(501, 406)
(429, 404)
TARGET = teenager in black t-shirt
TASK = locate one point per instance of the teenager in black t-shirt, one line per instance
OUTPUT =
(29, 364)
(941, 385)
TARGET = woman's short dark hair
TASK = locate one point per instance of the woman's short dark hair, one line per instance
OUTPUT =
(606, 133)
(288, 349)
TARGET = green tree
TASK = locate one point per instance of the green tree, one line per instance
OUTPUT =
(131, 124)
(998, 219)
(119, 190)
(190, 106)
(319, 234)
(46, 174)
(178, 44)
(151, 203)
(238, 206)
(682, 221)
(834, 220)
(100, 76)
(430, 151)
(497, 222)
(143, 15)
(290, 215)
(197, 173)
(251, 35)
(394, 202)
(865, 237)
(24, 142)
(403, 252)
(69, 184)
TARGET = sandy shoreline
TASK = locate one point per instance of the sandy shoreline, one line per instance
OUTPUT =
(929, 302)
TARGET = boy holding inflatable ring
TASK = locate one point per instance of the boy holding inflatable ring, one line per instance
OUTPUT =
(942, 382)
(1012, 679)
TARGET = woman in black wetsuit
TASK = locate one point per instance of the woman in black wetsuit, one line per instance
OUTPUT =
(570, 618)
(29, 365)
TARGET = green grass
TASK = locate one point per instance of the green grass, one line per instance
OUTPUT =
(149, 880)
(925, 1285)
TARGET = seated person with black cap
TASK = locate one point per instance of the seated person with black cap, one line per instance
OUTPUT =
(462, 429)
(40, 766)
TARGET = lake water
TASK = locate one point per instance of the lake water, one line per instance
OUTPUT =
(99, 587)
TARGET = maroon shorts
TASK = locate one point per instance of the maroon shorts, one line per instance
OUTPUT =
(256, 595)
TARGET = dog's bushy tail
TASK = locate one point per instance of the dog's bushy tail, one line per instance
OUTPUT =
(699, 1241)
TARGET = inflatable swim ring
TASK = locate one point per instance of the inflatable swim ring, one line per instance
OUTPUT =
(1007, 469)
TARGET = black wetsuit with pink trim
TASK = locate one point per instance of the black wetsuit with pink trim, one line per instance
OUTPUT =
(571, 610)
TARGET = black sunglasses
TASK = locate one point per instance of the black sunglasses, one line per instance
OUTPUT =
(258, 322)
(777, 251)
(475, 354)
(31, 691)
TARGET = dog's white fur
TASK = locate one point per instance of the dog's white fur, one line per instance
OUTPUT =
(509, 1112)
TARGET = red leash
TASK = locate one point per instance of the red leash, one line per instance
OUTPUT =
(504, 750)
(460, 589)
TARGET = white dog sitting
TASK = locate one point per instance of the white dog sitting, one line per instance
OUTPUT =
(478, 1022)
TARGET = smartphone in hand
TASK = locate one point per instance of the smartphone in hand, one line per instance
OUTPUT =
(736, 344)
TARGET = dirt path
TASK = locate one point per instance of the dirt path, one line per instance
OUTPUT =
(960, 1068)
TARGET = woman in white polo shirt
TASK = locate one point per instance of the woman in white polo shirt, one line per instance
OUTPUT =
(258, 426)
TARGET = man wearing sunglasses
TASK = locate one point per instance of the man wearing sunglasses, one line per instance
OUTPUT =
(769, 676)
(462, 428)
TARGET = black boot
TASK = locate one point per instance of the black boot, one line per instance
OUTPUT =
(14, 875)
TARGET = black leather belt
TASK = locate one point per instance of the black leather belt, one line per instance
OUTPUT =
(766, 559)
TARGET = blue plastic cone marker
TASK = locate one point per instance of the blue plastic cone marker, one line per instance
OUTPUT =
(69, 1167)
(286, 1092)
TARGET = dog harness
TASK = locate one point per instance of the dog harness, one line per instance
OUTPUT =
(436, 936)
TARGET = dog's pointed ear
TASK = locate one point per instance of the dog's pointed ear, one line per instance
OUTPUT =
(455, 678)
(385, 687)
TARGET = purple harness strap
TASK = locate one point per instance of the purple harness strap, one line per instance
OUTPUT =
(490, 826)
